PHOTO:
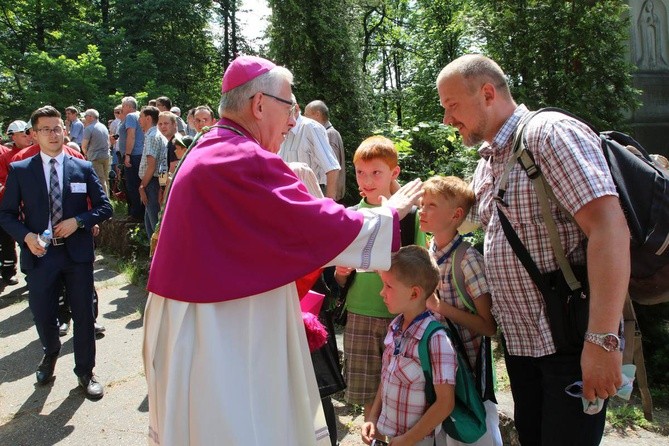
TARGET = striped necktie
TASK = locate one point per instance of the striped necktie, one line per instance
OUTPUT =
(55, 195)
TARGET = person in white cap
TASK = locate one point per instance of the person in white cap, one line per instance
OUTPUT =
(225, 352)
(19, 133)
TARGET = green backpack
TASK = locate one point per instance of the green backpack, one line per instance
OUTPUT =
(466, 423)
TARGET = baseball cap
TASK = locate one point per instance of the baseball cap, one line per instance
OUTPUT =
(17, 126)
(244, 69)
(183, 141)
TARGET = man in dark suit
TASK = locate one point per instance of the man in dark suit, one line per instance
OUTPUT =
(56, 191)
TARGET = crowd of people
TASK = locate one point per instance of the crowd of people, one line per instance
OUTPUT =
(225, 352)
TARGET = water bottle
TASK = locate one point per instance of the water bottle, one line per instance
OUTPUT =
(44, 239)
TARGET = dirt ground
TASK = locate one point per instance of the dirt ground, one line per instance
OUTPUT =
(653, 434)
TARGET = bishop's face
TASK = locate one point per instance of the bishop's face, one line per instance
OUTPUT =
(277, 118)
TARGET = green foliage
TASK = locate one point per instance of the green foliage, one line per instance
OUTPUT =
(625, 416)
(62, 81)
(431, 148)
(565, 54)
(120, 208)
(654, 324)
(316, 40)
(138, 237)
(136, 271)
(439, 34)
(92, 53)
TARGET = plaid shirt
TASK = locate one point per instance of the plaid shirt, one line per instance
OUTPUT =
(570, 157)
(403, 399)
(155, 145)
(475, 284)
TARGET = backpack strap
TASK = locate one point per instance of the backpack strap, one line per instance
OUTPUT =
(544, 193)
(484, 367)
(458, 276)
(425, 363)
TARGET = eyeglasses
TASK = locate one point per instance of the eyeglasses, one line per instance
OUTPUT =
(46, 131)
(117, 112)
(293, 105)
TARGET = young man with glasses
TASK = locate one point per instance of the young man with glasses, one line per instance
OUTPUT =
(56, 191)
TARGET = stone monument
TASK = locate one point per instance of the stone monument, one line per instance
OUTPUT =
(649, 51)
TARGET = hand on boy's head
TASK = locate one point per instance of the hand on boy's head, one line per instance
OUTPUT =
(405, 197)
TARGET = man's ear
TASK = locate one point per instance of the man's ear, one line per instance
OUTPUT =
(489, 92)
(256, 105)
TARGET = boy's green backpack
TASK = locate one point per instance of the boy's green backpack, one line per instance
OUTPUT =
(484, 368)
(466, 423)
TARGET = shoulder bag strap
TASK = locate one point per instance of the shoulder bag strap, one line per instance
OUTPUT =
(544, 192)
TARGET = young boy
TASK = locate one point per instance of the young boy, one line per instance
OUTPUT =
(445, 204)
(376, 169)
(400, 410)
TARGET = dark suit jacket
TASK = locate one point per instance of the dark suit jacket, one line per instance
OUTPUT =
(26, 191)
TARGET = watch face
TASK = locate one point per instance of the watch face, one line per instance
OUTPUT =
(610, 342)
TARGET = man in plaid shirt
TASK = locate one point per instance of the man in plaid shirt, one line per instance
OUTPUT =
(477, 101)
(154, 161)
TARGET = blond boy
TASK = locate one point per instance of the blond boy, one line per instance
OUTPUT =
(445, 204)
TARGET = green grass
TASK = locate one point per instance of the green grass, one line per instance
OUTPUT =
(120, 208)
(135, 270)
(624, 415)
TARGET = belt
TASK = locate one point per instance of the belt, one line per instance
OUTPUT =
(59, 241)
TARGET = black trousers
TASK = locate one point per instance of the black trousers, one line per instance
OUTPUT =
(45, 282)
(7, 255)
(64, 312)
(544, 414)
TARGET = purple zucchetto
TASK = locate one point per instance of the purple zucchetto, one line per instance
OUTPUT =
(244, 69)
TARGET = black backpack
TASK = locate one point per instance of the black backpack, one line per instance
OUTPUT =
(643, 189)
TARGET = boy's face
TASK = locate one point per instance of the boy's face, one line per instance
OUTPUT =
(374, 178)
(396, 295)
(437, 213)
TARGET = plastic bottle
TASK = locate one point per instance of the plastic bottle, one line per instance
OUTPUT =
(44, 239)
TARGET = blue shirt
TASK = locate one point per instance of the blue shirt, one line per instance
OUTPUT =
(76, 131)
(131, 121)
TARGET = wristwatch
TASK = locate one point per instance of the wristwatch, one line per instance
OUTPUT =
(608, 341)
(80, 223)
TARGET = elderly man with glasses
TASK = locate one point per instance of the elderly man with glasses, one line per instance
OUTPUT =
(225, 352)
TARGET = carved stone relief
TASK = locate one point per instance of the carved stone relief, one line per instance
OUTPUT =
(650, 37)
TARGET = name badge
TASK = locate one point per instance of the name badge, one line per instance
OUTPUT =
(78, 188)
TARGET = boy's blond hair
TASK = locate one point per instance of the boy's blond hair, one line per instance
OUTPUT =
(377, 147)
(414, 266)
(453, 189)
